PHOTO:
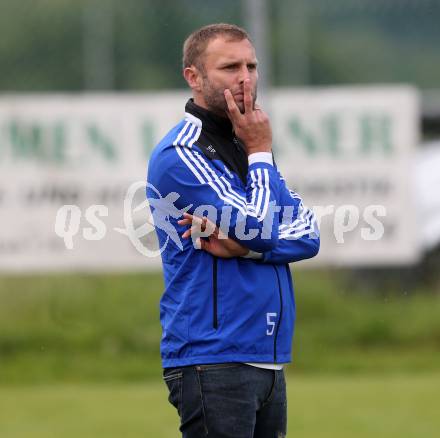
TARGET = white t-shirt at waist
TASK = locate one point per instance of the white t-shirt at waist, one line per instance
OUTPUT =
(268, 366)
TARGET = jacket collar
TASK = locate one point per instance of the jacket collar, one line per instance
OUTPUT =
(210, 121)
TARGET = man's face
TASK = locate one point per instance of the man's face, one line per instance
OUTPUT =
(226, 65)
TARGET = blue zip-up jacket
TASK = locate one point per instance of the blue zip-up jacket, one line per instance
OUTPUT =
(214, 309)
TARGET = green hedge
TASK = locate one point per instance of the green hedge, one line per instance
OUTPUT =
(101, 327)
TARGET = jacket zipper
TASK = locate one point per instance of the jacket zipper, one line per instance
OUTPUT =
(279, 319)
(214, 290)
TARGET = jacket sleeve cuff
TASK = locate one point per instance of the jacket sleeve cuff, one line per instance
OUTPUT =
(253, 255)
(260, 157)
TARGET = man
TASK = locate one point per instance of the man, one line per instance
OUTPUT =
(228, 308)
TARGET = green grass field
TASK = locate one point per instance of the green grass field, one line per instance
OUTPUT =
(79, 356)
(403, 406)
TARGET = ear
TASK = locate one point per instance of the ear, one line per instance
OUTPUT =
(194, 78)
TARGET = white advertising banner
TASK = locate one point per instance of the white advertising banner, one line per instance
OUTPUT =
(350, 154)
(347, 151)
(84, 151)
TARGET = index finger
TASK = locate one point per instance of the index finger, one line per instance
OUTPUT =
(247, 96)
(233, 109)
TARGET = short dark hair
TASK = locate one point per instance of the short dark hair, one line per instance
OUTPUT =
(195, 45)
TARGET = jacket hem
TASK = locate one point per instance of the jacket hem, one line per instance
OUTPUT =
(241, 358)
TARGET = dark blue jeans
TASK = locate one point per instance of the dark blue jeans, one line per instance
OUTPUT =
(228, 400)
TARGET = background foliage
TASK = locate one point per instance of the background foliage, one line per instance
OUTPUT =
(95, 327)
(44, 42)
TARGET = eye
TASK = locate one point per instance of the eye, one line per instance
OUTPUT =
(252, 67)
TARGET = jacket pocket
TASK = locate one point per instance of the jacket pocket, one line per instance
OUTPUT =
(214, 293)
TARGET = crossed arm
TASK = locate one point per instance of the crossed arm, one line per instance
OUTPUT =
(298, 239)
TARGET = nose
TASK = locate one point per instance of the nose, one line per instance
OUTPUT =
(244, 74)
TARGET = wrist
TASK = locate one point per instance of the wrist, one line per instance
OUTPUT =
(239, 252)
(255, 150)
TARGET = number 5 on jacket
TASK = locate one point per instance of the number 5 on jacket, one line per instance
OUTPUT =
(270, 323)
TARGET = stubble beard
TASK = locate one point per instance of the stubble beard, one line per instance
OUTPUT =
(215, 99)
